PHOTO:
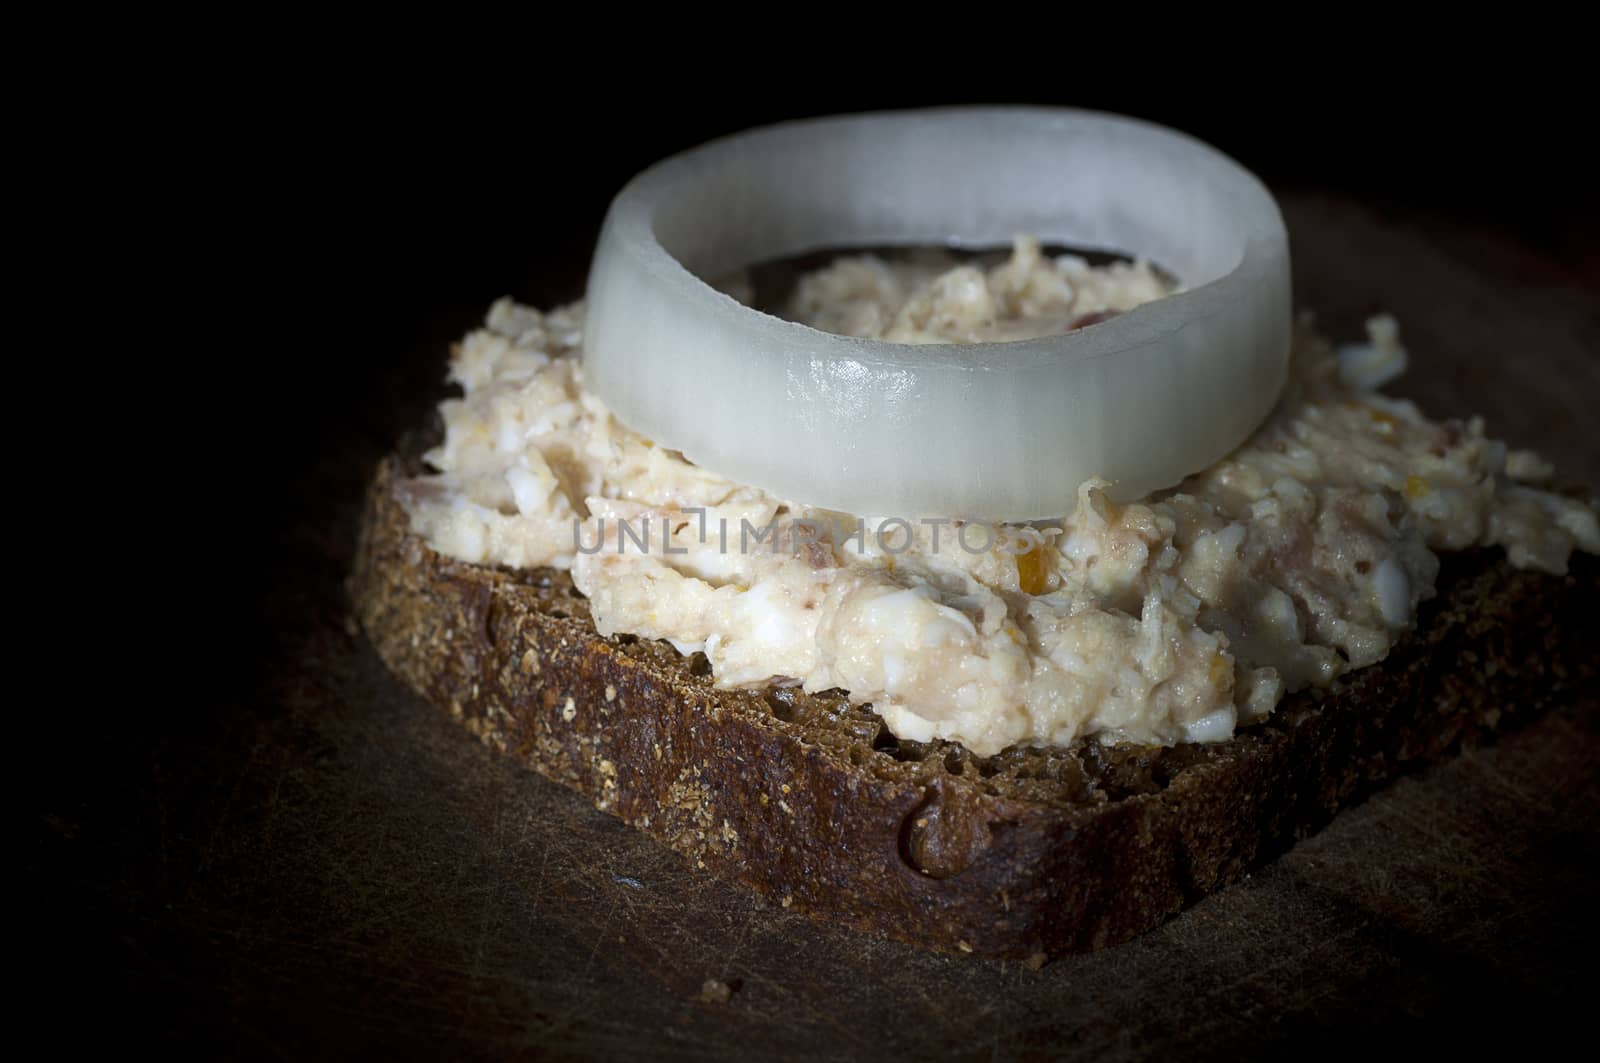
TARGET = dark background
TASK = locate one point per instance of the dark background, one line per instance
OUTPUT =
(353, 229)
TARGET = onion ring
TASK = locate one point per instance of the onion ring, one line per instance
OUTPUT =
(997, 431)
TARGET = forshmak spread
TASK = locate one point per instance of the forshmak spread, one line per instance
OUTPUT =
(1300, 556)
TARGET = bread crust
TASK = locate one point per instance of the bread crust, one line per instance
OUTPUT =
(810, 801)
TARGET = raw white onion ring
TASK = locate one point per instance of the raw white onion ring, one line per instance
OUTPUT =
(1002, 430)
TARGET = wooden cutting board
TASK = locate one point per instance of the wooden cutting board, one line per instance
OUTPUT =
(328, 863)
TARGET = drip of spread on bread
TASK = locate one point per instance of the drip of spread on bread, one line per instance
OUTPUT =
(1301, 556)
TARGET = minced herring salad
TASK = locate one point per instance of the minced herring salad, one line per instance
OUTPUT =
(1300, 556)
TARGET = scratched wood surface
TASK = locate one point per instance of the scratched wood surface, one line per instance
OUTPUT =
(319, 863)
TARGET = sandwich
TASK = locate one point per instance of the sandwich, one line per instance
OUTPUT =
(1002, 605)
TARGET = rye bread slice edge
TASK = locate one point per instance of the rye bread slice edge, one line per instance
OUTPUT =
(811, 802)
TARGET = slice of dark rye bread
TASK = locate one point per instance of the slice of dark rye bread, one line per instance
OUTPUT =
(815, 804)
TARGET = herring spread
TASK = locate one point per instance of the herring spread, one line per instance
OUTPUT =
(1301, 556)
